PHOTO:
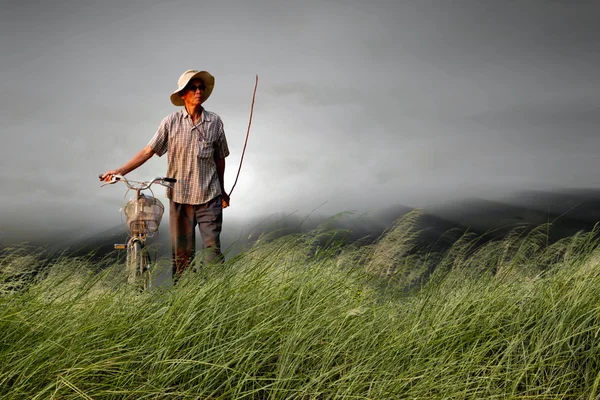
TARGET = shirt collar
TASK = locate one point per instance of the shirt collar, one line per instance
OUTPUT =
(203, 116)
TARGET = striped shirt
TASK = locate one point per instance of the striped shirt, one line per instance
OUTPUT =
(192, 152)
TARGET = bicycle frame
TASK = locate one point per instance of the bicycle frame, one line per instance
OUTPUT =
(138, 260)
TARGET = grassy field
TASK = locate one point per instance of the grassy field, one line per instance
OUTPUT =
(308, 317)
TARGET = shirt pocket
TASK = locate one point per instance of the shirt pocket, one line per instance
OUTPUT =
(205, 149)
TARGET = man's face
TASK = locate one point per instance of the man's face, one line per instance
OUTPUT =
(193, 93)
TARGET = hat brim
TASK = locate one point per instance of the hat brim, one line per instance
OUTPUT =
(209, 84)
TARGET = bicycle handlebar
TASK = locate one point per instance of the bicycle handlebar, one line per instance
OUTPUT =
(141, 185)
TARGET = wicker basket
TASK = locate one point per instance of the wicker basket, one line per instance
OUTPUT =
(143, 215)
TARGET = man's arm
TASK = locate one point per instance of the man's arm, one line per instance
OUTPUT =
(141, 157)
(220, 162)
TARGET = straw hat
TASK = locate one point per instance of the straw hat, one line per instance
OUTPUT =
(208, 79)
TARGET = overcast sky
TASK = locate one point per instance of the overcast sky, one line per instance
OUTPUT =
(360, 104)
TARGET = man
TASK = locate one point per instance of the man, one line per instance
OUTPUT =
(195, 141)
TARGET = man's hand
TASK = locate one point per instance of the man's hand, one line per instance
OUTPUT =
(225, 200)
(108, 176)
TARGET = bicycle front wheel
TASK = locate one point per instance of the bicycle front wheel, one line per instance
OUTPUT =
(138, 272)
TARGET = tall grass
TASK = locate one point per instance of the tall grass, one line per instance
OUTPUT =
(308, 317)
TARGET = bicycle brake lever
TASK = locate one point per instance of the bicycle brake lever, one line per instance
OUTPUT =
(111, 182)
(108, 183)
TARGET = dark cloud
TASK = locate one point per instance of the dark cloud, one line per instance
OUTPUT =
(563, 127)
(573, 116)
(319, 95)
(574, 2)
(358, 104)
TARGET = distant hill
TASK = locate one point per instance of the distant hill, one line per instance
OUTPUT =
(568, 211)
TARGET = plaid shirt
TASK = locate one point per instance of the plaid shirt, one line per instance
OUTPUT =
(192, 153)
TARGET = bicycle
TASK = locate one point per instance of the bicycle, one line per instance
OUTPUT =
(143, 214)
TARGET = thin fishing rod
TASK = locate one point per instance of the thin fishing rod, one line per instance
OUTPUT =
(247, 134)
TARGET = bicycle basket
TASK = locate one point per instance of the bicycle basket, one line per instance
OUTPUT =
(144, 214)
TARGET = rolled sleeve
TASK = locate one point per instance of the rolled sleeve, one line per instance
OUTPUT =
(160, 141)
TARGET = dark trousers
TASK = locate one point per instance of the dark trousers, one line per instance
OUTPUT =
(183, 219)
